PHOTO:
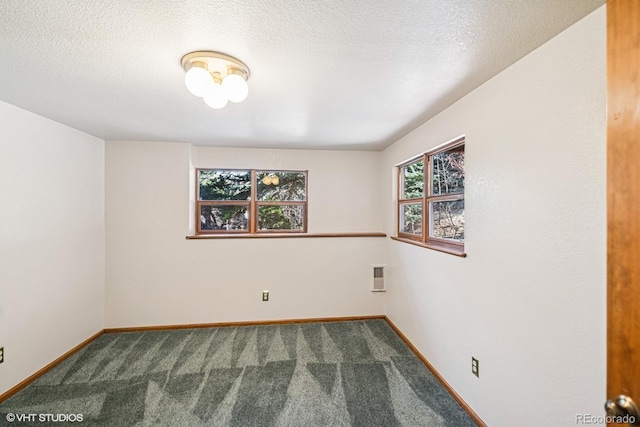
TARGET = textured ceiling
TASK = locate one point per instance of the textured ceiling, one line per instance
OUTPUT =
(335, 74)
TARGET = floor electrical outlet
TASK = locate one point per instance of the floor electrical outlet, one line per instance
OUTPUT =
(475, 367)
(265, 295)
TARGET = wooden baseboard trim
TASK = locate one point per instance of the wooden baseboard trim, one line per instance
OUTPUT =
(245, 323)
(436, 374)
(13, 390)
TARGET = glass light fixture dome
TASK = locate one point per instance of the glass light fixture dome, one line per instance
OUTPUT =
(236, 87)
(198, 79)
(216, 97)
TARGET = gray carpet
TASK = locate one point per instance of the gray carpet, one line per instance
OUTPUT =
(357, 373)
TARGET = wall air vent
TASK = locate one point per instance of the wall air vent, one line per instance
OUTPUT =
(378, 279)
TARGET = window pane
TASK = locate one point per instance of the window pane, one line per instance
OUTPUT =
(411, 218)
(281, 217)
(224, 217)
(281, 186)
(447, 220)
(413, 180)
(220, 184)
(448, 171)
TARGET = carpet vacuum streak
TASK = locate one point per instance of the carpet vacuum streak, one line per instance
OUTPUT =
(352, 373)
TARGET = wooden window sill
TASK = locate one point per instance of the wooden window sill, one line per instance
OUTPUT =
(447, 249)
(279, 235)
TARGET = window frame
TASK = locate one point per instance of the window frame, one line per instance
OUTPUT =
(455, 247)
(411, 201)
(252, 203)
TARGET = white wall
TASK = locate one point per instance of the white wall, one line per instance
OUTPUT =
(529, 300)
(156, 277)
(51, 241)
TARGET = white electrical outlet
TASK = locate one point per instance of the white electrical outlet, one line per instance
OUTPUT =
(475, 367)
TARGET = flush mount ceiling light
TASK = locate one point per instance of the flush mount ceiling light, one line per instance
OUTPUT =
(215, 77)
